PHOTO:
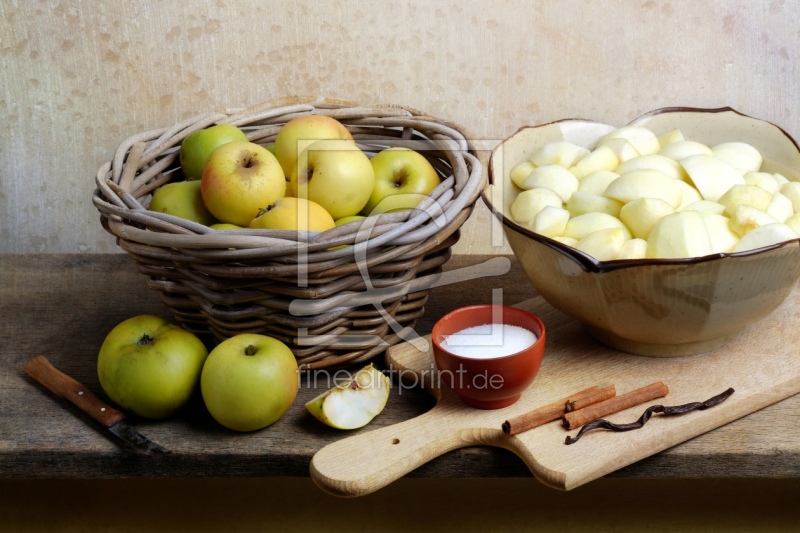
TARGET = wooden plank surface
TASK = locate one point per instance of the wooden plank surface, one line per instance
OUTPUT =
(62, 306)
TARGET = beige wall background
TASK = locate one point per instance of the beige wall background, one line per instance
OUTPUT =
(78, 77)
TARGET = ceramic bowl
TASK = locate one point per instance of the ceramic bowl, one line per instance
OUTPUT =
(655, 307)
(488, 383)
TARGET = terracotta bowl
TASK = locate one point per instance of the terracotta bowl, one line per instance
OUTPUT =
(488, 383)
(656, 307)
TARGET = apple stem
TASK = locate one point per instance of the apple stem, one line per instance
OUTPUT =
(250, 350)
(145, 340)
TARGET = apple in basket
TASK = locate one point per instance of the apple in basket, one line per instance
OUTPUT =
(182, 199)
(336, 174)
(149, 366)
(239, 179)
(354, 403)
(297, 134)
(295, 214)
(402, 172)
(197, 146)
(249, 381)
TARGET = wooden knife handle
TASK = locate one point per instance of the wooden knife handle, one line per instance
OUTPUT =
(60, 384)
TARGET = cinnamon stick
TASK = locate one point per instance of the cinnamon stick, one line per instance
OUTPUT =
(548, 413)
(639, 396)
(601, 394)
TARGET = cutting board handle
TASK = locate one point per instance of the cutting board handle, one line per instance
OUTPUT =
(364, 463)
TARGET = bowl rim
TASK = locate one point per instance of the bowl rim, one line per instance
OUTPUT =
(540, 338)
(589, 263)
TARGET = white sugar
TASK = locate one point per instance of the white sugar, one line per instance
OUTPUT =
(489, 340)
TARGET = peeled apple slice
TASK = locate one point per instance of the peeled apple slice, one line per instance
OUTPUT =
(553, 177)
(604, 244)
(746, 218)
(645, 183)
(683, 149)
(644, 140)
(528, 204)
(668, 166)
(679, 235)
(582, 225)
(603, 158)
(739, 155)
(597, 182)
(550, 221)
(766, 235)
(583, 202)
(355, 403)
(561, 153)
(711, 176)
(633, 249)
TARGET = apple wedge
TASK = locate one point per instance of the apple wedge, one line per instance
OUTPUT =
(355, 403)
(679, 235)
(644, 140)
(553, 177)
(739, 155)
(765, 235)
(712, 176)
(561, 153)
(603, 158)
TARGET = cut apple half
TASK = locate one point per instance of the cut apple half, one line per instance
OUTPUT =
(354, 403)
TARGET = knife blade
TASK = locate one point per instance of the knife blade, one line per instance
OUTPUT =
(63, 386)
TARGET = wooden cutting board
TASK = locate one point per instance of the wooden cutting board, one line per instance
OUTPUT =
(762, 365)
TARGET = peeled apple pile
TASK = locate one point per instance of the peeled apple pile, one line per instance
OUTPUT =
(638, 195)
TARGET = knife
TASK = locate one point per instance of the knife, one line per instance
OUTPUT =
(60, 384)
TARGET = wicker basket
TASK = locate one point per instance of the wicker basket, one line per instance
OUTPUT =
(333, 305)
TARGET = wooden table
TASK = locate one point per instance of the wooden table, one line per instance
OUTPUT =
(63, 305)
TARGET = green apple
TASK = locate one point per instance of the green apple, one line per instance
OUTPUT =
(249, 381)
(182, 199)
(149, 366)
(336, 174)
(295, 214)
(239, 179)
(298, 133)
(355, 403)
(346, 220)
(400, 170)
(197, 146)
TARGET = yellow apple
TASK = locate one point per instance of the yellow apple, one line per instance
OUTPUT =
(197, 146)
(336, 174)
(239, 179)
(400, 170)
(295, 214)
(298, 133)
(222, 226)
(182, 199)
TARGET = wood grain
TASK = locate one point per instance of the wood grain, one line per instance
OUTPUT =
(62, 306)
(760, 365)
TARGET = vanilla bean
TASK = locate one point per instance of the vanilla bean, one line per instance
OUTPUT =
(601, 423)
